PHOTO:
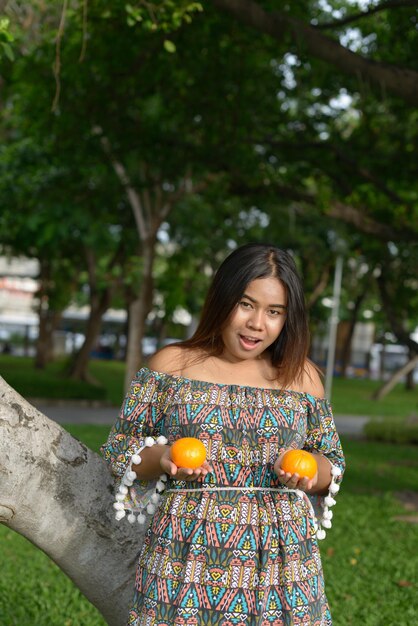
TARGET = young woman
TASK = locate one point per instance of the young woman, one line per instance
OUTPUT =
(234, 541)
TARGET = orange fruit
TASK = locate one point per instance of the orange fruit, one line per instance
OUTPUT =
(188, 452)
(299, 462)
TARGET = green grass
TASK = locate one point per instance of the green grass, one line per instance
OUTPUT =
(110, 375)
(33, 590)
(369, 557)
(349, 397)
(93, 436)
(54, 382)
(370, 564)
(353, 397)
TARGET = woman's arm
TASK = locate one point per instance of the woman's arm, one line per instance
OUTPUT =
(157, 457)
(311, 384)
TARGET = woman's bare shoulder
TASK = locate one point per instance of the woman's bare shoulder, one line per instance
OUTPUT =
(170, 360)
(311, 381)
(167, 360)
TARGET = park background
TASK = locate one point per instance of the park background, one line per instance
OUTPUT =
(140, 144)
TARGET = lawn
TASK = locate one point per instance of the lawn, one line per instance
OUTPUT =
(352, 396)
(369, 556)
(54, 383)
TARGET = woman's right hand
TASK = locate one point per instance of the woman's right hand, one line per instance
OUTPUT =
(182, 473)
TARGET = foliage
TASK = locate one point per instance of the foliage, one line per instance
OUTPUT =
(6, 39)
(284, 141)
(166, 16)
(392, 431)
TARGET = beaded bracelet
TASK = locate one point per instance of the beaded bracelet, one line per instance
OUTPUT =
(128, 480)
(329, 501)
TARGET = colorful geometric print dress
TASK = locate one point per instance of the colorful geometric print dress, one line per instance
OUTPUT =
(237, 548)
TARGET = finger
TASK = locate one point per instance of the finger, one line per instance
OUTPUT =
(172, 469)
(184, 473)
(293, 480)
(305, 484)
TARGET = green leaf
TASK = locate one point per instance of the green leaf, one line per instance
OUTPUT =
(8, 51)
(169, 46)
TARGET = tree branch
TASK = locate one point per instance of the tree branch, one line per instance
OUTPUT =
(366, 224)
(367, 175)
(351, 215)
(319, 288)
(342, 155)
(402, 82)
(187, 188)
(57, 62)
(384, 6)
(145, 193)
(395, 321)
(131, 192)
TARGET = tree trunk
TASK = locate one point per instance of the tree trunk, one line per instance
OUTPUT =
(59, 494)
(409, 381)
(346, 349)
(48, 319)
(319, 288)
(138, 313)
(48, 323)
(395, 378)
(79, 367)
(100, 299)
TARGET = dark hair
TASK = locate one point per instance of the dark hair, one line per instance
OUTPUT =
(243, 265)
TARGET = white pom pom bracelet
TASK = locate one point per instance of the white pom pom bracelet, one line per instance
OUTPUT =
(329, 501)
(127, 481)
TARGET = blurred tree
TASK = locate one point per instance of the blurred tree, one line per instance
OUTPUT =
(29, 180)
(345, 50)
(183, 100)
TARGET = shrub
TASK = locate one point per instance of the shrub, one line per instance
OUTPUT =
(389, 430)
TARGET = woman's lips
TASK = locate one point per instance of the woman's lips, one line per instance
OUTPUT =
(249, 343)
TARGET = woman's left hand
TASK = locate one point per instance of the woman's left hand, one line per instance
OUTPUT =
(294, 481)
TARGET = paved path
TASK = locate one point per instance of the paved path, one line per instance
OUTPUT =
(79, 414)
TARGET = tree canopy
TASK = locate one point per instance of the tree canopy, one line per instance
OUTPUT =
(149, 125)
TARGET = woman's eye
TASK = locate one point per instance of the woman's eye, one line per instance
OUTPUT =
(245, 304)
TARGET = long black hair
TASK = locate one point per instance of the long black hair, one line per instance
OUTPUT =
(245, 264)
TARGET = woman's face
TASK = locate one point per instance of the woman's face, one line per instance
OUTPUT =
(256, 321)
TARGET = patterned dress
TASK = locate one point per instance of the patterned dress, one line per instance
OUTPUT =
(237, 547)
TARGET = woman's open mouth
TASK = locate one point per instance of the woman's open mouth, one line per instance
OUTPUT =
(248, 343)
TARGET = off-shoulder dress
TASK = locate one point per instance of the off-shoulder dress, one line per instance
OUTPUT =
(237, 547)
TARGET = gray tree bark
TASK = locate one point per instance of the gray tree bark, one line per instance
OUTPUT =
(58, 494)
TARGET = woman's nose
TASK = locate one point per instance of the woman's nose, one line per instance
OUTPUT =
(256, 319)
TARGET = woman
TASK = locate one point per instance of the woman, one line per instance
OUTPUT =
(235, 540)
